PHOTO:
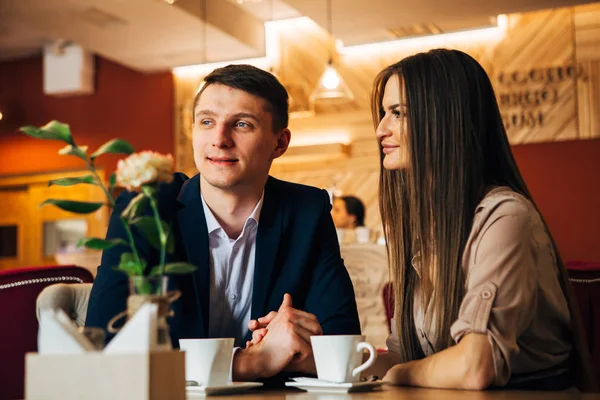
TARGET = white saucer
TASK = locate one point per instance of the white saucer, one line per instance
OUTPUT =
(229, 388)
(313, 385)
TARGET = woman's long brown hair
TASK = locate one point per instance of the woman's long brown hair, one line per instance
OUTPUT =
(457, 148)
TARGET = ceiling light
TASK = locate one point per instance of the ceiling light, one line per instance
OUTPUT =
(331, 87)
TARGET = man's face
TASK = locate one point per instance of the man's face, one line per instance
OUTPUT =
(233, 139)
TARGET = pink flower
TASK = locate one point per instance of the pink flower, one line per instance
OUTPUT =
(143, 168)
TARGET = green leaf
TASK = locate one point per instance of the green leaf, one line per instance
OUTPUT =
(53, 130)
(174, 268)
(155, 271)
(129, 266)
(100, 244)
(77, 151)
(89, 179)
(112, 182)
(148, 226)
(78, 207)
(132, 210)
(115, 146)
(179, 268)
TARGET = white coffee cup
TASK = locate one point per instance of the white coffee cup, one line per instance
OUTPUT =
(339, 357)
(207, 361)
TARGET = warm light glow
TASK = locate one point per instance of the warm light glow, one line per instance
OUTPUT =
(290, 24)
(1, 116)
(318, 138)
(331, 79)
(493, 33)
(170, 1)
(204, 69)
(502, 22)
(331, 89)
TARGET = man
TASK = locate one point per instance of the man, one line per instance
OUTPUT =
(259, 244)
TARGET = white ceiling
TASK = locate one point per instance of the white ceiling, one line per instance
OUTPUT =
(150, 35)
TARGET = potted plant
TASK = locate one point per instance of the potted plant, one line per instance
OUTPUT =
(139, 172)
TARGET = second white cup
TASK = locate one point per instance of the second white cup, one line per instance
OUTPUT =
(338, 358)
(207, 361)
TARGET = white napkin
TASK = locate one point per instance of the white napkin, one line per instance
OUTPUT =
(139, 333)
(58, 335)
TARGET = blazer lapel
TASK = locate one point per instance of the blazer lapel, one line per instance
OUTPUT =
(194, 235)
(270, 228)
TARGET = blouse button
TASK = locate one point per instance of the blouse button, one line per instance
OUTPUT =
(486, 294)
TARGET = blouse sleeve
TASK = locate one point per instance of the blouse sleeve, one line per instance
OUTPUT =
(500, 284)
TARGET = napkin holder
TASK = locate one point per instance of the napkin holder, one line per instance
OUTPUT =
(130, 368)
(94, 375)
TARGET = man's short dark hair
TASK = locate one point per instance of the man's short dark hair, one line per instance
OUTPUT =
(256, 82)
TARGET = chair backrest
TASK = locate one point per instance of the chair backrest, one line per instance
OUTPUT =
(72, 298)
(367, 266)
(19, 289)
(585, 280)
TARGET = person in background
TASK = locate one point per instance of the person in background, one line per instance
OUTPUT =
(348, 212)
(481, 295)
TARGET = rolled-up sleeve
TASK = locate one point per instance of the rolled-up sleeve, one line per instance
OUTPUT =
(500, 285)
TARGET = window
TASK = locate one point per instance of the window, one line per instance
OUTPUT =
(8, 241)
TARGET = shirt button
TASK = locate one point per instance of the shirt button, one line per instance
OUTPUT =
(232, 296)
(486, 294)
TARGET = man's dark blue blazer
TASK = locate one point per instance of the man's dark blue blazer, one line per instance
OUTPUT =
(297, 252)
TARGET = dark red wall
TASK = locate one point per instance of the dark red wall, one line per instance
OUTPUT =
(127, 104)
(564, 179)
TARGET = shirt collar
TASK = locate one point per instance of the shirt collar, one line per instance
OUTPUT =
(213, 225)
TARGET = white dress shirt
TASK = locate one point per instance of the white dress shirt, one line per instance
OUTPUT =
(231, 276)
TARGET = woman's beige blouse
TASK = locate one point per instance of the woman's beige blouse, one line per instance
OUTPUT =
(512, 292)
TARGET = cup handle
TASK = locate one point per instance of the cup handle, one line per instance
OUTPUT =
(372, 357)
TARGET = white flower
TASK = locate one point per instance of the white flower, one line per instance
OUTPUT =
(143, 168)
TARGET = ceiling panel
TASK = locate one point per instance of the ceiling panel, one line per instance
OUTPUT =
(152, 35)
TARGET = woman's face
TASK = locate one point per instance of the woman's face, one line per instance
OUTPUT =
(392, 131)
(341, 218)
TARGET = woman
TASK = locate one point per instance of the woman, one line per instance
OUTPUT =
(348, 212)
(481, 295)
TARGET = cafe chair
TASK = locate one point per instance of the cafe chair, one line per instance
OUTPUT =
(585, 280)
(71, 298)
(19, 289)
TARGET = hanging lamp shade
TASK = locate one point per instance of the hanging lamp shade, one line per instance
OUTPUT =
(331, 88)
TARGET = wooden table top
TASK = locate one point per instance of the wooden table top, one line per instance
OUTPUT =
(404, 393)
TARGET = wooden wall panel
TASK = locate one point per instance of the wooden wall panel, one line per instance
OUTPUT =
(587, 50)
(542, 42)
(587, 32)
